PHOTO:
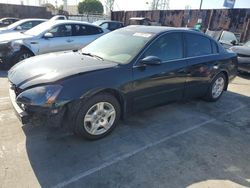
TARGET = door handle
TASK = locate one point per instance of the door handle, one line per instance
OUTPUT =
(69, 40)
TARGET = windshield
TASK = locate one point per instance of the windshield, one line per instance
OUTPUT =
(247, 44)
(119, 46)
(39, 29)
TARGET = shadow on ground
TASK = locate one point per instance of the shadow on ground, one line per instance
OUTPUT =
(219, 150)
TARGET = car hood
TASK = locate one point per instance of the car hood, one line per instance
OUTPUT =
(243, 50)
(13, 36)
(51, 67)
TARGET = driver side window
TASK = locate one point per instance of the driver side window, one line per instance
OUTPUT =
(61, 31)
(167, 47)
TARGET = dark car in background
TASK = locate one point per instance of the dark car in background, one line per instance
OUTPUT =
(142, 21)
(4, 22)
(243, 53)
(91, 89)
(226, 38)
(108, 24)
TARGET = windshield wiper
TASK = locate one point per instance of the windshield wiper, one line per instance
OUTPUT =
(93, 55)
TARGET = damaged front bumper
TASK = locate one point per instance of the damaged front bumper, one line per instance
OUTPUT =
(29, 114)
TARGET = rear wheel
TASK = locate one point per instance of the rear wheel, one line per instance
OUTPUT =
(97, 117)
(216, 88)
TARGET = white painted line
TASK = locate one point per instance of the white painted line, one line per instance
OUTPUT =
(130, 154)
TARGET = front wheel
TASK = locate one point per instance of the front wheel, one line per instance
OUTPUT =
(21, 55)
(216, 88)
(97, 117)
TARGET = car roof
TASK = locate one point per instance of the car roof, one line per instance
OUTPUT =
(54, 22)
(139, 18)
(9, 18)
(157, 29)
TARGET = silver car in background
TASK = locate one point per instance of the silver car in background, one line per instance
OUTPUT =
(51, 36)
(21, 25)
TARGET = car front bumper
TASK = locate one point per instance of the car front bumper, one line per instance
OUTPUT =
(49, 117)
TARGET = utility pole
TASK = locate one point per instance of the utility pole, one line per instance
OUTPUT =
(201, 4)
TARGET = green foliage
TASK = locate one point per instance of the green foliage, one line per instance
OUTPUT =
(90, 7)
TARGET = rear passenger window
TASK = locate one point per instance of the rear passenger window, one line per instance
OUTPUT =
(167, 47)
(81, 30)
(197, 45)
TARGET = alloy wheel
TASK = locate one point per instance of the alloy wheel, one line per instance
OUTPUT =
(218, 87)
(99, 118)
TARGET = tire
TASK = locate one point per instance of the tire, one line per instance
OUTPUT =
(21, 55)
(90, 120)
(218, 84)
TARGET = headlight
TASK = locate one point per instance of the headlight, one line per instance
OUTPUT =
(40, 96)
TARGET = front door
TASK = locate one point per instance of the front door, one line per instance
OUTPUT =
(162, 83)
(61, 40)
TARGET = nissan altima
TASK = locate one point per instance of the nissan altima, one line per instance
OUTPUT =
(128, 70)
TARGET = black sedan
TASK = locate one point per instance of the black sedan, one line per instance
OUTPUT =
(4, 22)
(128, 70)
(243, 53)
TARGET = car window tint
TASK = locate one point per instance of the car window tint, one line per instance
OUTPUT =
(35, 23)
(228, 37)
(214, 47)
(113, 26)
(26, 25)
(197, 45)
(105, 25)
(64, 30)
(81, 30)
(167, 47)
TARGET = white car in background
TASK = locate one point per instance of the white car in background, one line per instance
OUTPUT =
(51, 36)
(21, 25)
(58, 17)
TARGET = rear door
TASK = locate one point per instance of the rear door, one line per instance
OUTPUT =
(159, 84)
(61, 40)
(201, 55)
(83, 34)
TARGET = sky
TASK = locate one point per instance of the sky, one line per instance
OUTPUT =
(145, 4)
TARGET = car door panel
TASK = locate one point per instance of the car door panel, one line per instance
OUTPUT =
(159, 84)
(201, 60)
(154, 85)
(61, 41)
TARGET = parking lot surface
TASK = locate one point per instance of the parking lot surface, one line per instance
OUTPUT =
(189, 144)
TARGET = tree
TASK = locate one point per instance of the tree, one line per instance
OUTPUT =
(90, 7)
(48, 6)
(109, 5)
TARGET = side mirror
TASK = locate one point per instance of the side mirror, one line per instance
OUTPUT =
(151, 60)
(233, 42)
(48, 35)
(19, 28)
